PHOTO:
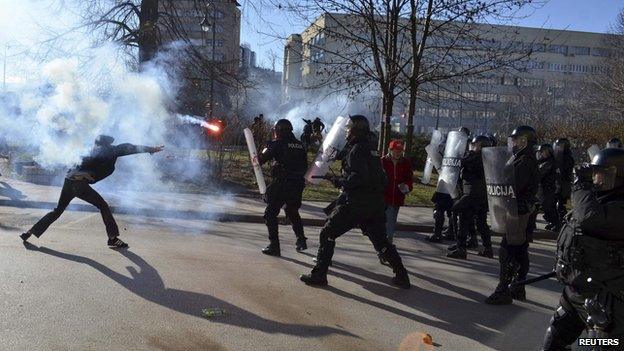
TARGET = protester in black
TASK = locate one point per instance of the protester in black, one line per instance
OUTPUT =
(98, 165)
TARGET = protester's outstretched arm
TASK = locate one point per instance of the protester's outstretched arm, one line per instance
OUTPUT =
(131, 149)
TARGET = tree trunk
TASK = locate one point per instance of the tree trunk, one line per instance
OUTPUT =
(389, 107)
(148, 38)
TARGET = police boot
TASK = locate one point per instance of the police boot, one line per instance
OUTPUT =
(458, 253)
(272, 250)
(438, 224)
(518, 292)
(316, 277)
(401, 278)
(502, 295)
(451, 232)
(301, 244)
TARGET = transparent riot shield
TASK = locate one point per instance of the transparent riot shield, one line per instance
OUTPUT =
(502, 202)
(434, 159)
(335, 141)
(451, 163)
(253, 155)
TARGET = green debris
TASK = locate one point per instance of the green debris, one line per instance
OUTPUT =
(213, 312)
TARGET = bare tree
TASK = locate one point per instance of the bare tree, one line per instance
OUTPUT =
(397, 46)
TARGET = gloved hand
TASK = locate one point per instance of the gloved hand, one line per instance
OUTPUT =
(583, 174)
(337, 181)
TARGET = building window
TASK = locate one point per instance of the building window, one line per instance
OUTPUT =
(534, 65)
(558, 49)
(602, 52)
(509, 80)
(580, 50)
(539, 47)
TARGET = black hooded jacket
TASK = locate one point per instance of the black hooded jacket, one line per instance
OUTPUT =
(101, 161)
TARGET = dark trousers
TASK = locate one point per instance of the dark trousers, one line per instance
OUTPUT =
(514, 263)
(549, 206)
(82, 190)
(286, 194)
(370, 218)
(470, 216)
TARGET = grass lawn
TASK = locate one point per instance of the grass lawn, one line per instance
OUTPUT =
(238, 170)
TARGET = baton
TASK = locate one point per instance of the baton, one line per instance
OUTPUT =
(321, 177)
(533, 280)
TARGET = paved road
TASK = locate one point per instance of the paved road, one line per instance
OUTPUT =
(68, 291)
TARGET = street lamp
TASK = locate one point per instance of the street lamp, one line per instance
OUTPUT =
(208, 24)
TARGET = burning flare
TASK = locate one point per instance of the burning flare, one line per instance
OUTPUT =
(194, 120)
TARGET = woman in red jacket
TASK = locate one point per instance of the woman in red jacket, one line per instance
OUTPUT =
(399, 172)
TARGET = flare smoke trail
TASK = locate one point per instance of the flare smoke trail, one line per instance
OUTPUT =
(197, 121)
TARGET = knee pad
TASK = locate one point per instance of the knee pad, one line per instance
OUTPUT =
(565, 327)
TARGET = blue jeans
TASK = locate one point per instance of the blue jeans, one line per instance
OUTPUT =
(392, 213)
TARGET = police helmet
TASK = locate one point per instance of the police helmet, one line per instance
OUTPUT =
(358, 126)
(614, 143)
(525, 132)
(608, 169)
(481, 140)
(464, 130)
(282, 127)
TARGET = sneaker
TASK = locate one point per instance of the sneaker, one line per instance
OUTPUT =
(116, 243)
(311, 279)
(301, 245)
(459, 253)
(272, 250)
(25, 236)
(452, 247)
(500, 297)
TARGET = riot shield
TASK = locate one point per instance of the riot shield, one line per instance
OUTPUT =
(592, 151)
(335, 141)
(502, 202)
(434, 159)
(451, 163)
(253, 154)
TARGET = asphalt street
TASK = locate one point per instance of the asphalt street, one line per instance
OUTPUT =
(69, 291)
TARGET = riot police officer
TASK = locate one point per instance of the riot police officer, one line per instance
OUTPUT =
(286, 188)
(590, 255)
(565, 164)
(614, 143)
(547, 170)
(472, 206)
(360, 204)
(513, 254)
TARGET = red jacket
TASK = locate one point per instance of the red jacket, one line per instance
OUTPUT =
(398, 173)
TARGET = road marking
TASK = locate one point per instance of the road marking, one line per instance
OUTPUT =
(489, 329)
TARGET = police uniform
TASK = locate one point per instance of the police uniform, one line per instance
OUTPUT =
(286, 188)
(361, 204)
(472, 206)
(590, 263)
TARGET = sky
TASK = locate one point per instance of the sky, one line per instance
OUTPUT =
(578, 15)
